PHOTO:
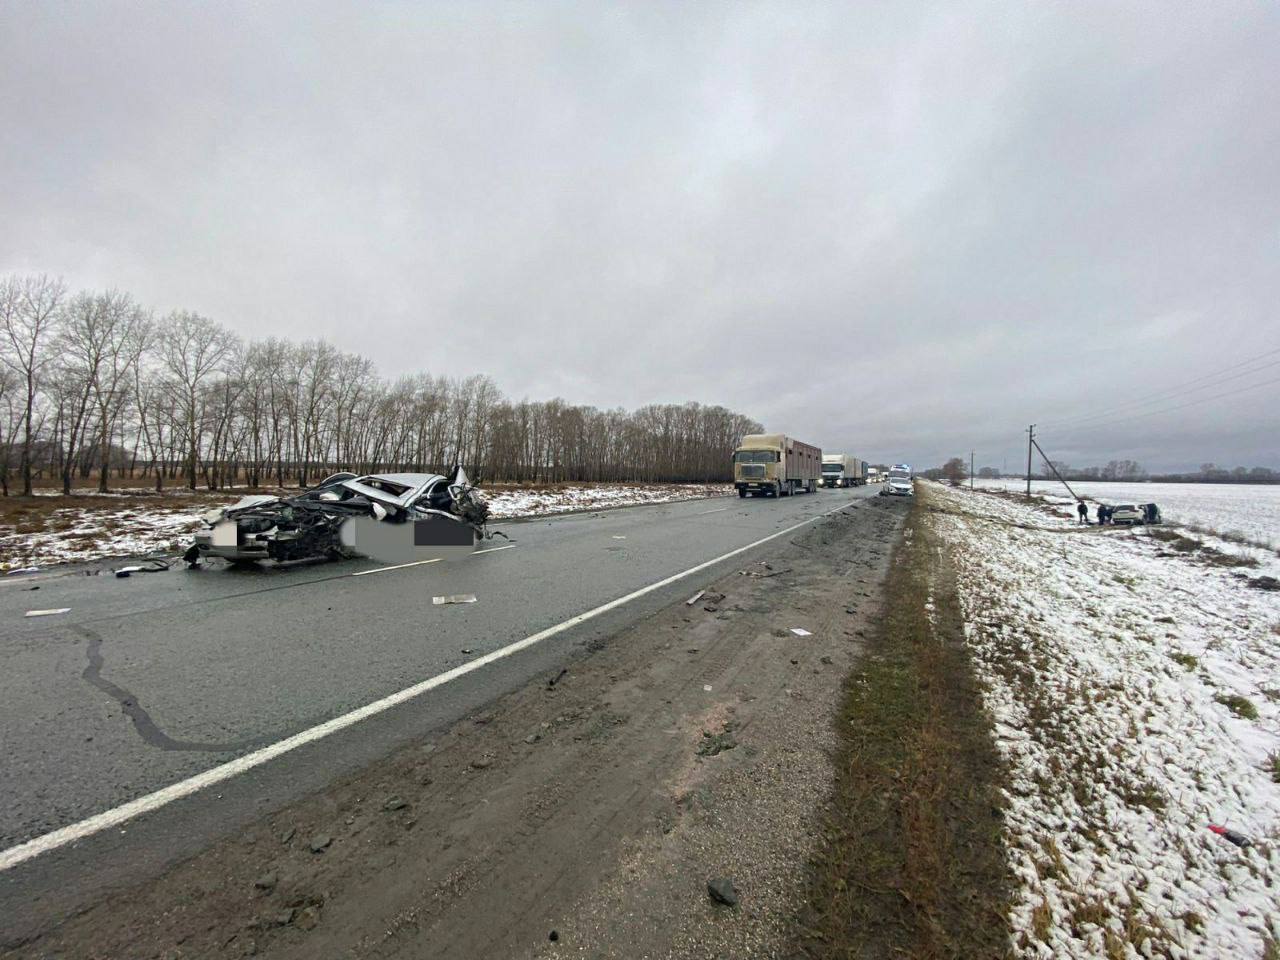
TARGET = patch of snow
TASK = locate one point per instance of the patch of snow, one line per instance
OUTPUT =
(508, 504)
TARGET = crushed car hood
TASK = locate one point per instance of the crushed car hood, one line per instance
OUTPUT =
(388, 516)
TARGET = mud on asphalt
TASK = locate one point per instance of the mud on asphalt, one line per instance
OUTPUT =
(580, 816)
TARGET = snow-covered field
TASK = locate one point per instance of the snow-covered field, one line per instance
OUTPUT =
(163, 525)
(1252, 510)
(1136, 697)
(526, 503)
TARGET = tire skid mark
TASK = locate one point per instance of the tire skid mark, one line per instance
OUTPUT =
(147, 729)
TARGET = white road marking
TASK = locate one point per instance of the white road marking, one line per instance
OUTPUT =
(703, 513)
(509, 546)
(398, 566)
(13, 856)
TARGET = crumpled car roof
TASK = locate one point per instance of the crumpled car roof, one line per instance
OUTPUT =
(414, 482)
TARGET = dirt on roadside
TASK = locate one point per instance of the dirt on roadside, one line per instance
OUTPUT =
(583, 815)
(914, 864)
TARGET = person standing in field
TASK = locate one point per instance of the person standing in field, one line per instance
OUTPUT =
(1102, 514)
(1083, 511)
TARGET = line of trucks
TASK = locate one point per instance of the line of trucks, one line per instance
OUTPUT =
(775, 465)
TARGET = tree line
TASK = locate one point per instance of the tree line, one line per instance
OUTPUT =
(1124, 470)
(95, 384)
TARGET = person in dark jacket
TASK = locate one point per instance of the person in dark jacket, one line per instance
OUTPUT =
(1102, 514)
(1083, 511)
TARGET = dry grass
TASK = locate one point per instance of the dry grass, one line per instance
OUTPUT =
(914, 863)
(1198, 550)
(1241, 706)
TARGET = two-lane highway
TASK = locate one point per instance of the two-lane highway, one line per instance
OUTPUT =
(150, 681)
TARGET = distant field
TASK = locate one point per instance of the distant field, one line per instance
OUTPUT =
(1251, 510)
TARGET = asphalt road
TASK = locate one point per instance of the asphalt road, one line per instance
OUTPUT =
(149, 680)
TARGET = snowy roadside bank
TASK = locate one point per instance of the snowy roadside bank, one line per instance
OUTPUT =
(138, 523)
(1135, 693)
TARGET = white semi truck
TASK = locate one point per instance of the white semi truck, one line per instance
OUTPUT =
(842, 470)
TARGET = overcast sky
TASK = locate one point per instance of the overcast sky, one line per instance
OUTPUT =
(901, 230)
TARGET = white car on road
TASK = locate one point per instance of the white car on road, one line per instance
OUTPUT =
(898, 487)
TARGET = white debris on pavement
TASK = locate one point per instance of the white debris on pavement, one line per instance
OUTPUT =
(454, 598)
(801, 632)
(47, 613)
(1111, 668)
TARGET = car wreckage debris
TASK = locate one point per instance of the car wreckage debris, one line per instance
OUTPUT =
(454, 598)
(388, 516)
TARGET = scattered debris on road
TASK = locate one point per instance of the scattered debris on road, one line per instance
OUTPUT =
(722, 891)
(48, 613)
(714, 744)
(769, 572)
(151, 565)
(695, 598)
(801, 632)
(454, 598)
(1239, 839)
(267, 882)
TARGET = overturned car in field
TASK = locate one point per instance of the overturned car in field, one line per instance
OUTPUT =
(393, 517)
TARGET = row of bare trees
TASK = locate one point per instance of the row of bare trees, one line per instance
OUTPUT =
(94, 384)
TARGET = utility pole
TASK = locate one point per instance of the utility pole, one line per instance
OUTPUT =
(971, 471)
(1060, 477)
(1031, 438)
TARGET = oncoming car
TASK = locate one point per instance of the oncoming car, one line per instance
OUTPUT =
(898, 487)
(389, 516)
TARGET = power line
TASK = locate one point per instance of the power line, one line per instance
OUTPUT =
(1077, 421)
(1181, 406)
(1183, 388)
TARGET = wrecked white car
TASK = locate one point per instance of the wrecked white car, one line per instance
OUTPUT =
(394, 517)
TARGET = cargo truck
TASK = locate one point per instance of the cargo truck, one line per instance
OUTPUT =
(773, 464)
(842, 470)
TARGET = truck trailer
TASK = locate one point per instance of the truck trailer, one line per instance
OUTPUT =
(842, 470)
(773, 464)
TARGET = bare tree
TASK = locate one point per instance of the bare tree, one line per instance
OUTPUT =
(193, 351)
(29, 312)
(10, 417)
(954, 470)
(116, 339)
